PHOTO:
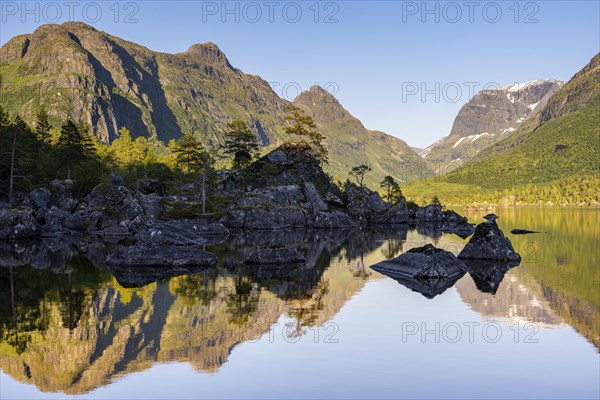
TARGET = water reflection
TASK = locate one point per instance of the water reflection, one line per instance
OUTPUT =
(67, 324)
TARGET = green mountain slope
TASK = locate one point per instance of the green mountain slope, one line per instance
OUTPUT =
(78, 72)
(558, 147)
(354, 144)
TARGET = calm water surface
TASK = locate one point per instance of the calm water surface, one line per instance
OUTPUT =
(334, 328)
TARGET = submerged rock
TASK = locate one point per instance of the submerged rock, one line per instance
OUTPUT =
(278, 255)
(522, 231)
(489, 243)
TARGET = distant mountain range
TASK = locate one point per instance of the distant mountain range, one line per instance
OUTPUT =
(562, 140)
(489, 117)
(81, 73)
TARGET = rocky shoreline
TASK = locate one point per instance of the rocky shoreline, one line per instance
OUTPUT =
(286, 189)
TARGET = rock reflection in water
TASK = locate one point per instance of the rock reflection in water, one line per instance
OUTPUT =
(487, 274)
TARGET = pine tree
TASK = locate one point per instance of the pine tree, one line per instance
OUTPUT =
(17, 138)
(303, 125)
(359, 173)
(42, 126)
(190, 154)
(240, 144)
(392, 188)
(71, 145)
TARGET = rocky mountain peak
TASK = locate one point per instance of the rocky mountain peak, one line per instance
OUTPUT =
(207, 52)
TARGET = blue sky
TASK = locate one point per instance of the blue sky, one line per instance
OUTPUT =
(401, 67)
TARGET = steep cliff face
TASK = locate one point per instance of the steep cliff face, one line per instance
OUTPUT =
(81, 73)
(580, 91)
(490, 116)
(78, 72)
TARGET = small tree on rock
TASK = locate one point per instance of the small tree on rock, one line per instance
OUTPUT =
(303, 126)
(190, 154)
(359, 173)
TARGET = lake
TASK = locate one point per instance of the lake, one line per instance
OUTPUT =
(333, 328)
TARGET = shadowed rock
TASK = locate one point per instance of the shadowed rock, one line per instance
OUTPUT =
(425, 262)
(427, 270)
(489, 243)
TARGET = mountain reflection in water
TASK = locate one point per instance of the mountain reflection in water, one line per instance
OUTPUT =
(68, 325)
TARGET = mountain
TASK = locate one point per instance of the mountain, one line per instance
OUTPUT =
(78, 72)
(354, 144)
(490, 116)
(562, 141)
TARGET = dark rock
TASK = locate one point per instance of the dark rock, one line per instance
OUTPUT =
(334, 200)
(151, 206)
(280, 255)
(430, 229)
(363, 203)
(487, 274)
(313, 198)
(181, 233)
(522, 231)
(163, 256)
(489, 243)
(38, 198)
(491, 217)
(430, 213)
(115, 230)
(457, 224)
(149, 186)
(423, 263)
(18, 224)
(104, 196)
(288, 194)
(74, 222)
(61, 195)
(51, 221)
(116, 180)
(332, 219)
(397, 214)
(278, 217)
(427, 270)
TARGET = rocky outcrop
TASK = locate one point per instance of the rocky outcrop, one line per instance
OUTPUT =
(489, 243)
(363, 203)
(18, 224)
